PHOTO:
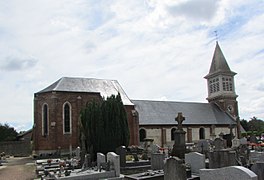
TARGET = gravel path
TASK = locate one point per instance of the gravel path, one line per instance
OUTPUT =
(18, 169)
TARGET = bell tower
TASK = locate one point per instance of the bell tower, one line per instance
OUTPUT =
(220, 84)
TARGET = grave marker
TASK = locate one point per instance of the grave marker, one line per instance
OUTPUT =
(196, 161)
(174, 169)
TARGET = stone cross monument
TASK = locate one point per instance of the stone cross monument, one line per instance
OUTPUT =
(179, 139)
(180, 118)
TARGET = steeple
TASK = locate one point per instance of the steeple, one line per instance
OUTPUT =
(220, 83)
(219, 64)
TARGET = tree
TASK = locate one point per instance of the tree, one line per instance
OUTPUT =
(7, 133)
(253, 125)
(256, 124)
(244, 124)
(104, 125)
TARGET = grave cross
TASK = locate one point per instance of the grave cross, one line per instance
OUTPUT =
(180, 118)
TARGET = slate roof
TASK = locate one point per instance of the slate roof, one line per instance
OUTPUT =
(105, 87)
(219, 63)
(164, 112)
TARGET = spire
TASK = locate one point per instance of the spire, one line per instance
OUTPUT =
(219, 64)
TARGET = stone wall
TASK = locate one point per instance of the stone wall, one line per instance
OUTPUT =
(155, 132)
(16, 148)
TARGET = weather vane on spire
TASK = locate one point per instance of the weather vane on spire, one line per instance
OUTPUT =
(216, 36)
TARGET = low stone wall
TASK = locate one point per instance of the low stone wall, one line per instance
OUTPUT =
(16, 148)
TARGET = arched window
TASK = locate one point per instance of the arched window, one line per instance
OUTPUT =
(67, 118)
(201, 133)
(172, 133)
(45, 120)
(142, 135)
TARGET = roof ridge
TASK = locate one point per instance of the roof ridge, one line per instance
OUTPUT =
(170, 101)
(88, 78)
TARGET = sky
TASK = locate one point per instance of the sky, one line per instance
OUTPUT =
(156, 50)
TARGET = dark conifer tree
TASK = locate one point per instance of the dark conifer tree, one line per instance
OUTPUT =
(104, 125)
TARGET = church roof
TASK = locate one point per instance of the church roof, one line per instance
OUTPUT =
(105, 87)
(164, 112)
(219, 63)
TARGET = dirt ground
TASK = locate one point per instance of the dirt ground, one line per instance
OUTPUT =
(18, 168)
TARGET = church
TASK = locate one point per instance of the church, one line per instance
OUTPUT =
(57, 111)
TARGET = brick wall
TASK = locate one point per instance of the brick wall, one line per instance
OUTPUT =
(55, 137)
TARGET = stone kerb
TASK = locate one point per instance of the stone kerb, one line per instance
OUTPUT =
(196, 161)
(114, 162)
(232, 172)
(100, 159)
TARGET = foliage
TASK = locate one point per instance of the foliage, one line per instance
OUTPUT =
(254, 125)
(104, 125)
(7, 133)
(244, 124)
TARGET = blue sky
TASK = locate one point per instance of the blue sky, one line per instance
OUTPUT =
(157, 50)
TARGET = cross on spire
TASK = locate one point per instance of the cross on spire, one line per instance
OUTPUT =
(216, 35)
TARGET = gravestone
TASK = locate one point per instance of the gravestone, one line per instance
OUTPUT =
(155, 148)
(179, 146)
(174, 168)
(114, 162)
(222, 158)
(87, 161)
(243, 141)
(253, 139)
(157, 161)
(78, 153)
(258, 168)
(100, 159)
(121, 151)
(219, 144)
(232, 172)
(203, 146)
(196, 161)
(255, 156)
(235, 143)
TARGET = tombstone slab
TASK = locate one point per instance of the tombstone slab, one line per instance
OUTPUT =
(219, 144)
(174, 168)
(121, 151)
(100, 159)
(258, 168)
(223, 158)
(196, 161)
(114, 162)
(157, 161)
(232, 172)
